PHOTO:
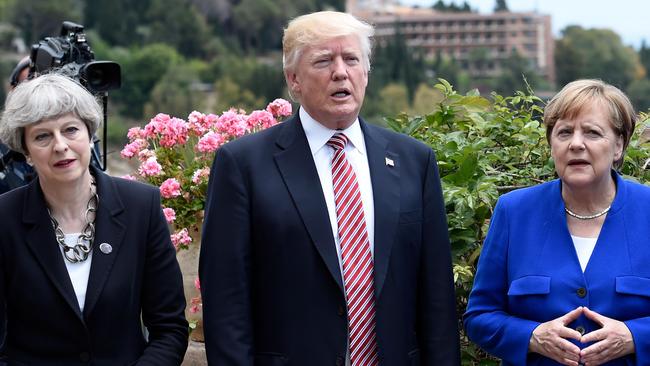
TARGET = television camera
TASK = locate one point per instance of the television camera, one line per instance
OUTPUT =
(68, 54)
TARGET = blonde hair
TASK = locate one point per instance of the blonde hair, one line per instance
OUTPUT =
(311, 29)
(46, 97)
(580, 94)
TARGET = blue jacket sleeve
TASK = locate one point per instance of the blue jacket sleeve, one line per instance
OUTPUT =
(487, 320)
(224, 266)
(640, 329)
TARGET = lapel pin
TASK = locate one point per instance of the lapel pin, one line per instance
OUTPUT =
(105, 248)
(389, 162)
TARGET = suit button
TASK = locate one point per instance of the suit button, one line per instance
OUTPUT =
(340, 361)
(84, 356)
(341, 310)
(580, 329)
(582, 292)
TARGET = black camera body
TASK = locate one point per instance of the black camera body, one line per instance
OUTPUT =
(69, 54)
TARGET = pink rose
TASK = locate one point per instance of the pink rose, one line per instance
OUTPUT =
(181, 238)
(279, 108)
(150, 168)
(170, 188)
(196, 123)
(173, 132)
(133, 148)
(129, 177)
(135, 133)
(232, 123)
(197, 283)
(210, 142)
(200, 175)
(170, 214)
(260, 119)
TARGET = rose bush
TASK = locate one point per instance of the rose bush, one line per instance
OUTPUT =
(175, 155)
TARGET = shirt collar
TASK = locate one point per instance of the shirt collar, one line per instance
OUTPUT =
(318, 135)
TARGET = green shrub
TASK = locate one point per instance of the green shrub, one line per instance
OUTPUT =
(486, 148)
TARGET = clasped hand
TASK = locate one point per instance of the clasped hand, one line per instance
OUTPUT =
(612, 340)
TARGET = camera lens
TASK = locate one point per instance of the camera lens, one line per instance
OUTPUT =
(101, 76)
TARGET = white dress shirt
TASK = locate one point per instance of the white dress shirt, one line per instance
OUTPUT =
(355, 152)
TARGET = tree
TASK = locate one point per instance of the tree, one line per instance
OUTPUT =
(595, 53)
(38, 19)
(644, 57)
(426, 99)
(452, 7)
(500, 5)
(141, 71)
(394, 100)
(117, 30)
(178, 24)
(516, 74)
(396, 62)
(639, 93)
(228, 94)
(176, 93)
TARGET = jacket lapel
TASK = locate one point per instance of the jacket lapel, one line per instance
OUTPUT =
(42, 243)
(110, 229)
(299, 173)
(385, 176)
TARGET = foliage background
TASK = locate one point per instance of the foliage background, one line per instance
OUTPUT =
(486, 147)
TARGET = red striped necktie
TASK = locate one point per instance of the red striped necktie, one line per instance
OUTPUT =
(356, 257)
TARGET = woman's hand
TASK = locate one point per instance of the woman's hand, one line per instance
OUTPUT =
(550, 339)
(612, 340)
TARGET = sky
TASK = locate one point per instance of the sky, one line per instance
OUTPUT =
(628, 18)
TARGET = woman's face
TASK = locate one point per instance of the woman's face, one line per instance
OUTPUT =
(584, 148)
(59, 148)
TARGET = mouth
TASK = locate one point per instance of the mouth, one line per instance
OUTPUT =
(578, 162)
(64, 163)
(341, 93)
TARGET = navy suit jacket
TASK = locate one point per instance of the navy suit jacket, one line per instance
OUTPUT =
(529, 272)
(138, 282)
(270, 278)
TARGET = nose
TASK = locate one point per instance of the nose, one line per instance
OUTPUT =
(339, 69)
(577, 142)
(60, 143)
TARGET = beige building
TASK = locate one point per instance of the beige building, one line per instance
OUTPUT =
(478, 42)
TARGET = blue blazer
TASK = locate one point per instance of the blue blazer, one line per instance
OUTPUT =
(138, 282)
(529, 273)
(270, 278)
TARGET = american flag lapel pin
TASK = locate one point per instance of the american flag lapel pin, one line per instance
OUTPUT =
(390, 162)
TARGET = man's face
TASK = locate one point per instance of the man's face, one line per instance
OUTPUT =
(330, 81)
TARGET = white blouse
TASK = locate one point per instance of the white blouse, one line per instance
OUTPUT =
(584, 248)
(79, 272)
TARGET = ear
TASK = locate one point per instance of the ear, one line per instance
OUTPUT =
(293, 82)
(618, 153)
(365, 78)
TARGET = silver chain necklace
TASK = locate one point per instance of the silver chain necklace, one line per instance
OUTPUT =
(79, 252)
(587, 217)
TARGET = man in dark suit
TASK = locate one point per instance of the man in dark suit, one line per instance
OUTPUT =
(325, 239)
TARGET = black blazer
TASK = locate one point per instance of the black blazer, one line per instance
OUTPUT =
(138, 282)
(270, 278)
